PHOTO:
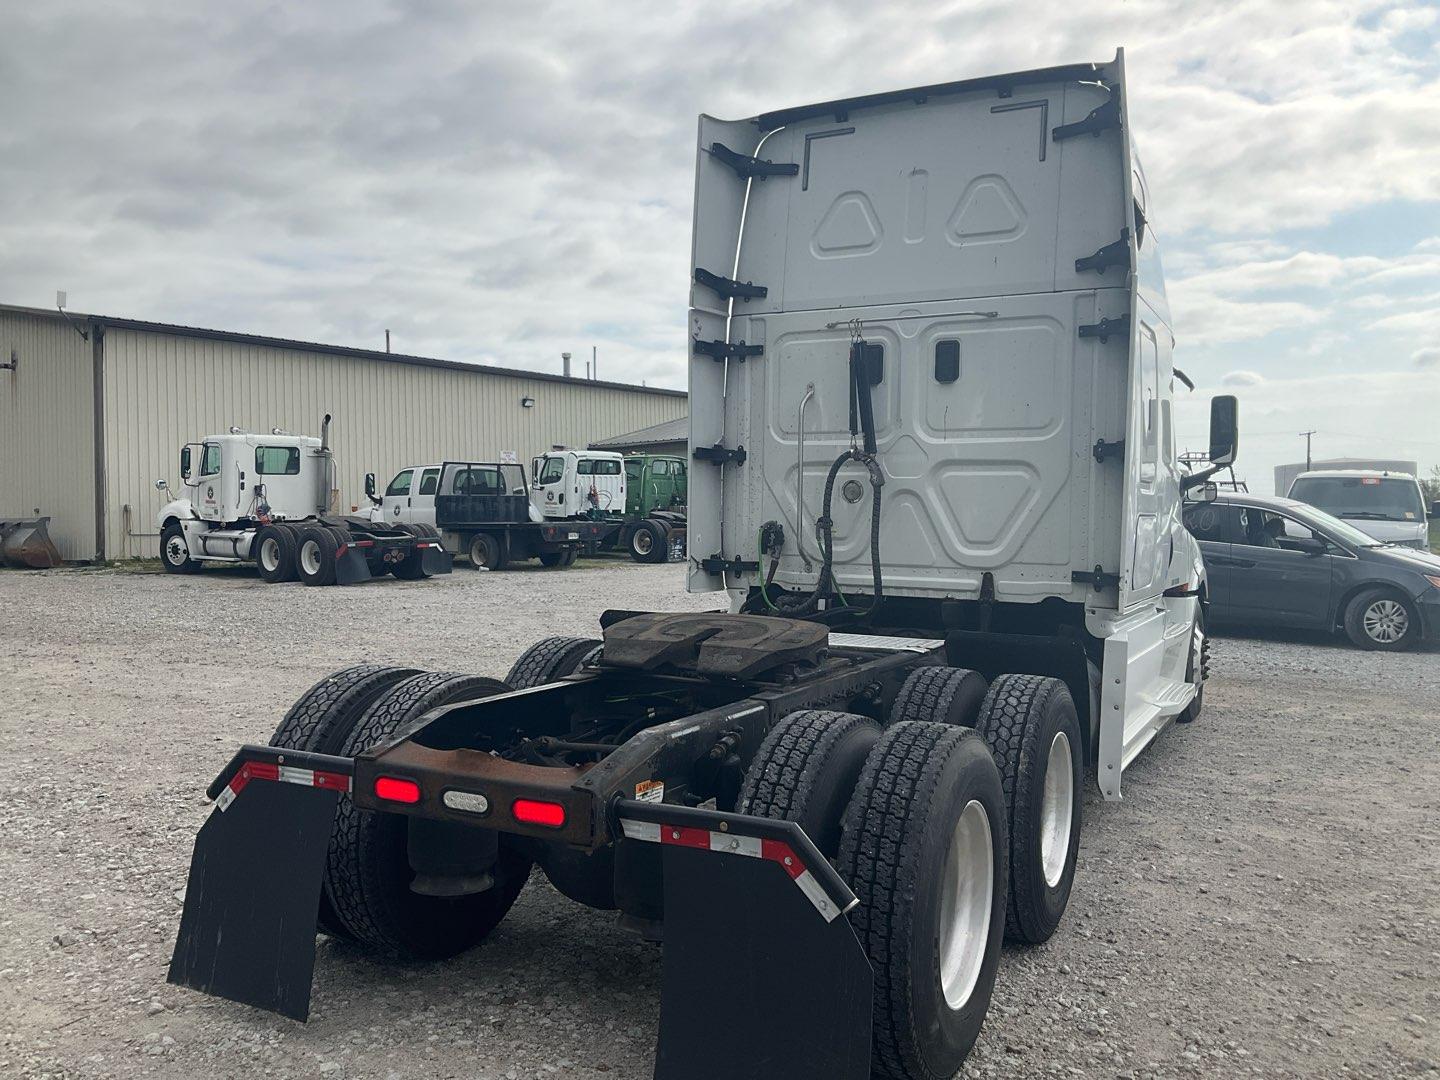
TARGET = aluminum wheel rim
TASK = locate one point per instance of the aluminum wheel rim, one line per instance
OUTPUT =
(1057, 810)
(966, 895)
(1386, 621)
(643, 542)
(270, 554)
(175, 551)
(310, 557)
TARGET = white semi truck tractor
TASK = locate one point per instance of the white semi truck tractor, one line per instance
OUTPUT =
(934, 473)
(265, 499)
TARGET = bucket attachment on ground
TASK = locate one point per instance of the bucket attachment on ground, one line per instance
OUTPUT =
(762, 974)
(248, 929)
(25, 542)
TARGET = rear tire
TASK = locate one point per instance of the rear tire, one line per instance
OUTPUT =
(944, 695)
(647, 542)
(320, 721)
(1383, 620)
(315, 555)
(175, 550)
(1031, 726)
(275, 553)
(368, 872)
(924, 847)
(552, 559)
(550, 659)
(805, 771)
(412, 567)
(485, 551)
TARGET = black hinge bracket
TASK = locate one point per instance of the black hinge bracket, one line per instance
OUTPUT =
(746, 166)
(1101, 118)
(719, 454)
(735, 290)
(718, 564)
(1116, 254)
(1106, 328)
(726, 350)
(1105, 449)
(1098, 579)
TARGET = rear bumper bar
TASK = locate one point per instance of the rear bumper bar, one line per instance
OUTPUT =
(754, 919)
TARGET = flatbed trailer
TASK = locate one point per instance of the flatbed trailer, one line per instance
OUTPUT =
(481, 509)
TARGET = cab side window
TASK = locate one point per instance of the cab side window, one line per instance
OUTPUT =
(429, 481)
(401, 484)
(210, 462)
(585, 467)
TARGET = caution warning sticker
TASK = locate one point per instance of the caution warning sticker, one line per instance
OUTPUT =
(650, 791)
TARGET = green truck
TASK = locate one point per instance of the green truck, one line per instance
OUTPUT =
(655, 501)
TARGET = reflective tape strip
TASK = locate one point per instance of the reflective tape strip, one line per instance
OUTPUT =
(285, 774)
(730, 843)
(641, 830)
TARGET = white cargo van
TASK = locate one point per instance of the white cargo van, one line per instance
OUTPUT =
(1386, 505)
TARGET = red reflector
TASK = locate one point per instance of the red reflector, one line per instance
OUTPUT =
(393, 789)
(534, 812)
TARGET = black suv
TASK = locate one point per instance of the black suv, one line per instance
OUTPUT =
(1277, 562)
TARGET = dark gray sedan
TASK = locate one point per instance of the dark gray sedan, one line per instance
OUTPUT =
(1277, 562)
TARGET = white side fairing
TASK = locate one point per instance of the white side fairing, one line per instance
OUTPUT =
(949, 228)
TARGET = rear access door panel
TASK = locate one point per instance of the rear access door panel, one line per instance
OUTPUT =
(983, 234)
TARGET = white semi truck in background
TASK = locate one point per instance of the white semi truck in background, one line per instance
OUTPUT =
(266, 499)
(935, 475)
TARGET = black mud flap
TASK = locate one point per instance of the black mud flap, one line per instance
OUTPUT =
(352, 567)
(434, 559)
(248, 929)
(762, 973)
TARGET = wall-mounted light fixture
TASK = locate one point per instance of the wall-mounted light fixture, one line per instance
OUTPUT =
(14, 364)
(527, 402)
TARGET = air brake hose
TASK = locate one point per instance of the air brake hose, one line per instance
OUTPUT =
(862, 426)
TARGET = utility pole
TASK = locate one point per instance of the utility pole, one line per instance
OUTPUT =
(1306, 436)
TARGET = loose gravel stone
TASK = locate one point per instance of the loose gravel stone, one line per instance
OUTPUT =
(1263, 902)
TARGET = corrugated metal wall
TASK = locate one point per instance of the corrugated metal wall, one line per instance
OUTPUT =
(162, 390)
(47, 429)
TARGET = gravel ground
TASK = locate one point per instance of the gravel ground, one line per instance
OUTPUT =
(1263, 902)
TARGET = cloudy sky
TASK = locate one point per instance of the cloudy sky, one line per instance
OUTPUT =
(501, 182)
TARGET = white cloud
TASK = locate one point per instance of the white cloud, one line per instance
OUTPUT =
(1426, 358)
(1242, 378)
(501, 182)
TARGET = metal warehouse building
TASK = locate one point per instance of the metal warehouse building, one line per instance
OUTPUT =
(89, 423)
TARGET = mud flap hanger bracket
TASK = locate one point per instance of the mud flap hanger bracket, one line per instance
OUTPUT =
(247, 932)
(754, 924)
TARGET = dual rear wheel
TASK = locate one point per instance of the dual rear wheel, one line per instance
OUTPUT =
(956, 825)
(367, 895)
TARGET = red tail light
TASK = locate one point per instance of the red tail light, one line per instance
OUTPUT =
(535, 812)
(394, 789)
